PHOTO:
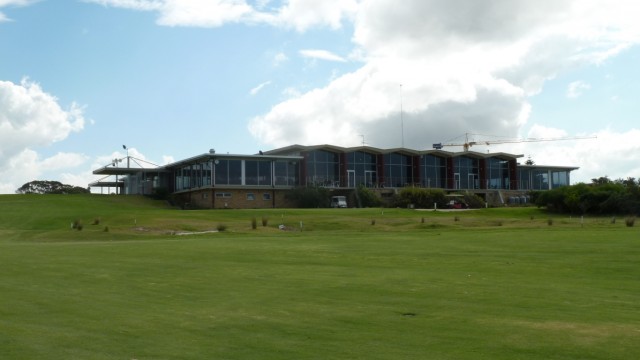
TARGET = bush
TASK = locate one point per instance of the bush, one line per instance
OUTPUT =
(254, 223)
(549, 222)
(421, 198)
(77, 225)
(366, 197)
(221, 227)
(630, 221)
(265, 221)
(310, 197)
(473, 201)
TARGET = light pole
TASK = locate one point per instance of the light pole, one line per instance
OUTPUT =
(125, 147)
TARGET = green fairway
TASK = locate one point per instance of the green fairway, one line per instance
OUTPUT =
(335, 284)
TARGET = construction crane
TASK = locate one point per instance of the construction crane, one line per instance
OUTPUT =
(467, 144)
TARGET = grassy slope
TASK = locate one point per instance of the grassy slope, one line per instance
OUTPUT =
(495, 284)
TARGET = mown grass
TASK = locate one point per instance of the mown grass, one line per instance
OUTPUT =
(338, 288)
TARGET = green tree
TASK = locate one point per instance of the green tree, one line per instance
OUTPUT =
(49, 187)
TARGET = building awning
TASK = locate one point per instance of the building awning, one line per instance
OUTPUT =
(112, 170)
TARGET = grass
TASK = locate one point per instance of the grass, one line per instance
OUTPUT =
(340, 288)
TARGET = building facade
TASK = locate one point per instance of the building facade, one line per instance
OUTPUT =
(215, 180)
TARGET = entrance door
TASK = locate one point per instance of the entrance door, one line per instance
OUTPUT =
(351, 178)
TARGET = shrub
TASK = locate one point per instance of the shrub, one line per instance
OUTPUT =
(473, 201)
(366, 197)
(630, 221)
(373, 221)
(549, 222)
(456, 218)
(265, 221)
(254, 223)
(420, 198)
(221, 227)
(310, 197)
(96, 221)
(106, 229)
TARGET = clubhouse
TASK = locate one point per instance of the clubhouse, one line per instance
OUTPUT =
(262, 180)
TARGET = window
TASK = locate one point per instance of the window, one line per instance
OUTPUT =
(398, 170)
(363, 165)
(435, 171)
(286, 173)
(257, 172)
(266, 196)
(228, 172)
(224, 195)
(251, 196)
(323, 168)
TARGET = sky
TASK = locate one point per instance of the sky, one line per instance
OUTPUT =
(171, 79)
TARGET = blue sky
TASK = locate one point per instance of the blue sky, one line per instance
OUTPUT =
(172, 79)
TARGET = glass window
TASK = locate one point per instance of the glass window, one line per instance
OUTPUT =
(466, 172)
(434, 171)
(228, 172)
(286, 173)
(266, 196)
(498, 174)
(323, 168)
(398, 170)
(363, 166)
(251, 196)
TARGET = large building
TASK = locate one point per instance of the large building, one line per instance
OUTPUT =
(214, 180)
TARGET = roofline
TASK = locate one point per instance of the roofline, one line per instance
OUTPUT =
(206, 156)
(570, 168)
(375, 150)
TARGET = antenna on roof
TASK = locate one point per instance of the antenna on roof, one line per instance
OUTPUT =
(401, 118)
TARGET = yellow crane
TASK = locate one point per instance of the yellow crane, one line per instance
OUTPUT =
(467, 143)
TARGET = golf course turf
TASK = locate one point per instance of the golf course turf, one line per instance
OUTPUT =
(141, 280)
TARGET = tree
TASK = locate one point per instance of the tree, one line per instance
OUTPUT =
(49, 187)
(529, 161)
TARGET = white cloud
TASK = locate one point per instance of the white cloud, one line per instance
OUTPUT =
(321, 55)
(298, 14)
(613, 154)
(27, 166)
(464, 66)
(257, 89)
(142, 5)
(7, 3)
(280, 58)
(31, 118)
(304, 14)
(576, 88)
(167, 159)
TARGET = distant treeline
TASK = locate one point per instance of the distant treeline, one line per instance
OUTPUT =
(49, 187)
(602, 197)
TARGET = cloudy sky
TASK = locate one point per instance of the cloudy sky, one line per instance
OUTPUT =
(174, 78)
